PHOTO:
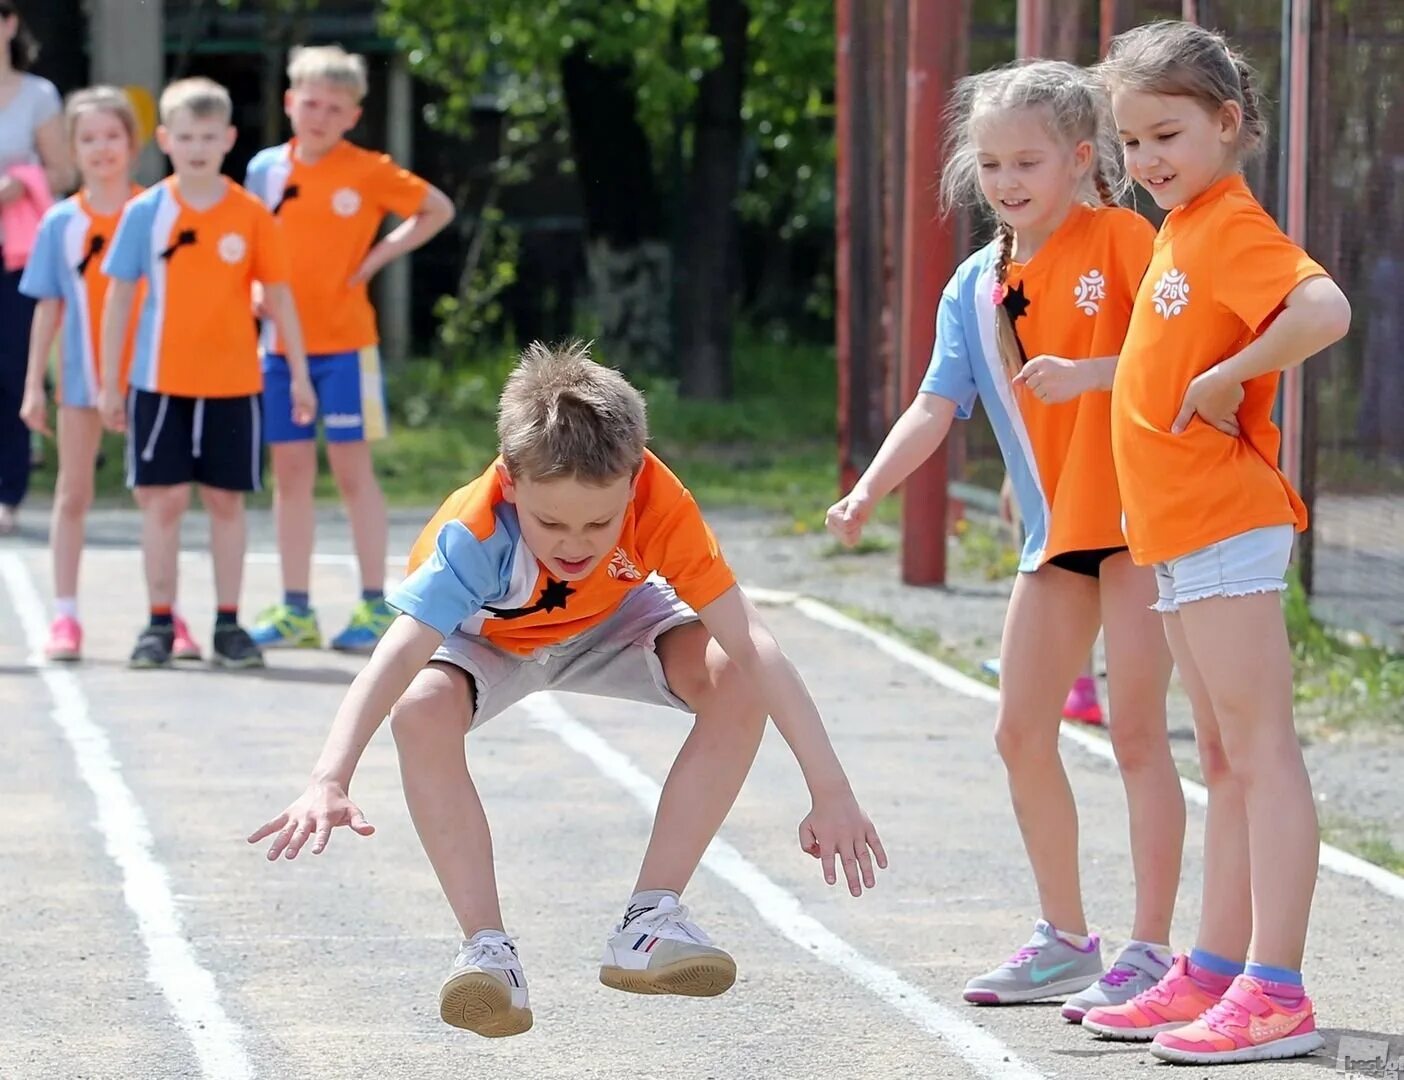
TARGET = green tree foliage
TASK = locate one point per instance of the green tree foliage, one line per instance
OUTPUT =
(513, 52)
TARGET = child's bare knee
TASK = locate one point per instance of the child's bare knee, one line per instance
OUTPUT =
(1138, 747)
(1019, 742)
(222, 504)
(73, 495)
(432, 706)
(166, 504)
(1214, 761)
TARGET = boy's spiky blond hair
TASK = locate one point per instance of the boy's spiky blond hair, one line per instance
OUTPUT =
(202, 98)
(330, 64)
(563, 415)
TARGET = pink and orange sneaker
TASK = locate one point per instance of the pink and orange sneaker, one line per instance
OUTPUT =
(65, 640)
(1247, 1024)
(183, 646)
(1170, 1004)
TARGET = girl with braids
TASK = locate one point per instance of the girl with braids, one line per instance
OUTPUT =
(1031, 325)
(1227, 303)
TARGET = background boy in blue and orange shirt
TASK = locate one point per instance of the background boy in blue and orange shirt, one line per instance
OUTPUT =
(194, 412)
(330, 198)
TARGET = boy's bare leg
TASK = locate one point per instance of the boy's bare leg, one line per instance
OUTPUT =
(294, 510)
(429, 723)
(161, 510)
(228, 540)
(712, 764)
(354, 470)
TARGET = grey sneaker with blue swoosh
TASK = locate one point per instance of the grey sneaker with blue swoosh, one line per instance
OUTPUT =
(1048, 966)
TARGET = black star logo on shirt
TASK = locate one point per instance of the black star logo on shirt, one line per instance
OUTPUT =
(96, 243)
(292, 191)
(1015, 302)
(555, 595)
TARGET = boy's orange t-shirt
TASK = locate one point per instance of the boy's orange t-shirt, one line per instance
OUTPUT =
(330, 213)
(1074, 301)
(1220, 272)
(472, 571)
(196, 335)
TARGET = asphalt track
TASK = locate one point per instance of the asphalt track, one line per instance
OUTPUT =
(145, 939)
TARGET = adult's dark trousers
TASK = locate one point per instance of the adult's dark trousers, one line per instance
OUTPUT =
(16, 313)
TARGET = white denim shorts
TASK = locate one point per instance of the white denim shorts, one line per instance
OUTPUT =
(616, 659)
(1252, 562)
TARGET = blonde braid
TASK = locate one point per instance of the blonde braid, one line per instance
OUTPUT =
(1010, 351)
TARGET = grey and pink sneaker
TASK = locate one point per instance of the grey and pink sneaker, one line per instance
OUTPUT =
(1138, 968)
(1048, 966)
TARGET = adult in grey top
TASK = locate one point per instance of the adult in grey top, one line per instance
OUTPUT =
(31, 133)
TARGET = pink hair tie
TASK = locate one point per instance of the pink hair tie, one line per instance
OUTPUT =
(1000, 291)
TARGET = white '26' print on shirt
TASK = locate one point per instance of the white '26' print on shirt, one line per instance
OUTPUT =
(1091, 290)
(1171, 293)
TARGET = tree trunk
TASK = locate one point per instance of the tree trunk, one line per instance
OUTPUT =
(707, 279)
(627, 256)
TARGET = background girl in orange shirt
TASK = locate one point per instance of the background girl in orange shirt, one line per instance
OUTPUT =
(65, 277)
(1031, 324)
(1226, 304)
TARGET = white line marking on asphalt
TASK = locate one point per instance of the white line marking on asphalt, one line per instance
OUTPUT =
(1333, 858)
(783, 910)
(171, 962)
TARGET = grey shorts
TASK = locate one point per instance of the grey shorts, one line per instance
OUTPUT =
(616, 659)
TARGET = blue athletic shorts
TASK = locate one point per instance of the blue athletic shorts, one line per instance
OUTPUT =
(350, 397)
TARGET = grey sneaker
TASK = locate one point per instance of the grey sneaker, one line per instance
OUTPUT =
(486, 992)
(153, 648)
(233, 648)
(1048, 966)
(657, 951)
(1138, 968)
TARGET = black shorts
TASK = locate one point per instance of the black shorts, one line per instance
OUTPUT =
(217, 442)
(1088, 562)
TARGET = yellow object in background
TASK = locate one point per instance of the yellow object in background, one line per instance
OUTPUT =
(145, 107)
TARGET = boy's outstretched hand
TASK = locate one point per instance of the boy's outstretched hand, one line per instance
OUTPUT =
(320, 809)
(838, 828)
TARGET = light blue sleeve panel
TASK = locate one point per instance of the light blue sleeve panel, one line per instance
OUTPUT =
(130, 257)
(950, 374)
(43, 274)
(461, 575)
(256, 176)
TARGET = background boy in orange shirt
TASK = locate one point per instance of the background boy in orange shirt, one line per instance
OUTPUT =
(194, 412)
(330, 197)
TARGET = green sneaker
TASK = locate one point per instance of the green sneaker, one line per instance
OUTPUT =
(282, 627)
(369, 621)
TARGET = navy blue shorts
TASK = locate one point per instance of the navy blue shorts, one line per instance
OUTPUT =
(217, 442)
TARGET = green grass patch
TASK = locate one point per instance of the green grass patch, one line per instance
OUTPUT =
(1369, 842)
(771, 447)
(1341, 681)
(921, 639)
(985, 550)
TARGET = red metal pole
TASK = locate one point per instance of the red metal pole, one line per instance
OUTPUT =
(1031, 17)
(1296, 180)
(843, 209)
(1106, 26)
(936, 37)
